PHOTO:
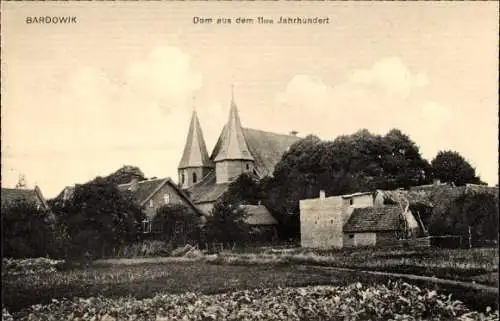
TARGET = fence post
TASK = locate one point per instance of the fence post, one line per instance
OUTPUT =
(470, 238)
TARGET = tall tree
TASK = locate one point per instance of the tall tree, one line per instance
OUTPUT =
(100, 217)
(450, 166)
(125, 174)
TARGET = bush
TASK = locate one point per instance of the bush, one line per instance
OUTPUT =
(145, 249)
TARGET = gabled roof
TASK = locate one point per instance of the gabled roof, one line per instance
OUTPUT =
(258, 215)
(267, 148)
(143, 191)
(232, 143)
(375, 219)
(12, 195)
(195, 151)
(207, 190)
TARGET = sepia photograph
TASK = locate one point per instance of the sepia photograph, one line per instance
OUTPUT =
(250, 160)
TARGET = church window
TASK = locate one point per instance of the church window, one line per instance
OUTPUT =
(351, 201)
(195, 178)
(166, 198)
(151, 203)
(183, 178)
(248, 167)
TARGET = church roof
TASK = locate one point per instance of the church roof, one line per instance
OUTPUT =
(232, 143)
(266, 149)
(207, 190)
(195, 151)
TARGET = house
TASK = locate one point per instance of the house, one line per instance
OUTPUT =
(238, 150)
(263, 226)
(381, 226)
(353, 220)
(11, 196)
(152, 194)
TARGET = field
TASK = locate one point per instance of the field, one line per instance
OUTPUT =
(479, 265)
(217, 287)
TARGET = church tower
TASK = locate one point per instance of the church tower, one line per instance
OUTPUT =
(233, 157)
(195, 163)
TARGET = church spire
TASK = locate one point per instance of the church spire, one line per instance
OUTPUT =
(233, 144)
(195, 151)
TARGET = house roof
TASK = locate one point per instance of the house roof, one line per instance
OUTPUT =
(143, 191)
(258, 215)
(11, 195)
(356, 194)
(375, 219)
(232, 141)
(195, 152)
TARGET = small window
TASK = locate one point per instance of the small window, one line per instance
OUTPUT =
(351, 236)
(151, 203)
(351, 201)
(248, 167)
(146, 226)
(166, 198)
(183, 178)
(195, 178)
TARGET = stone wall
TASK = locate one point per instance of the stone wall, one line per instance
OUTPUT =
(321, 222)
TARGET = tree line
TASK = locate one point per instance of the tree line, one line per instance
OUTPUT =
(100, 218)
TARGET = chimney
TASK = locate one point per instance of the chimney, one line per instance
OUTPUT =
(294, 133)
(133, 183)
(321, 194)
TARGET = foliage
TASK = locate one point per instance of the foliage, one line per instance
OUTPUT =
(351, 163)
(125, 174)
(478, 211)
(450, 166)
(176, 223)
(394, 301)
(99, 218)
(28, 231)
(227, 223)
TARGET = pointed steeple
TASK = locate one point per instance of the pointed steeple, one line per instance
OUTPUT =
(195, 152)
(233, 144)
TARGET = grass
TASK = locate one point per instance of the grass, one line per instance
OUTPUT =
(479, 265)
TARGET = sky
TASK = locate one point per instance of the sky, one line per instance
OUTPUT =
(118, 86)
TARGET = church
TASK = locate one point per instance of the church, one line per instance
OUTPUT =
(238, 150)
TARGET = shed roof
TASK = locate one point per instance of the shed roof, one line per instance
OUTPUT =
(375, 219)
(258, 215)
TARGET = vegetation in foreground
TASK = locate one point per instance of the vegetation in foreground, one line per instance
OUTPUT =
(149, 279)
(396, 301)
